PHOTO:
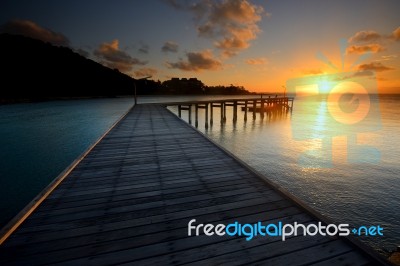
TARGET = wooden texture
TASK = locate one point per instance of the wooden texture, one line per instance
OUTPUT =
(130, 199)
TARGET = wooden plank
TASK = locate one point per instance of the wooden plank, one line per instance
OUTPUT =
(352, 258)
(127, 248)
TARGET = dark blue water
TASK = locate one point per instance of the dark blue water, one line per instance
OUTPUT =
(39, 140)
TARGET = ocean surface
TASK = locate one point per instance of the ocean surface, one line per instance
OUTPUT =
(347, 169)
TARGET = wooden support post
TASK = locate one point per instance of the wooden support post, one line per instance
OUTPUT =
(206, 122)
(190, 114)
(196, 115)
(254, 109)
(212, 114)
(245, 110)
(262, 109)
(179, 111)
(222, 113)
(234, 111)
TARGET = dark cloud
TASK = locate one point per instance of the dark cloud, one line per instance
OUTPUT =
(145, 72)
(144, 49)
(82, 52)
(374, 66)
(31, 29)
(170, 47)
(365, 36)
(175, 3)
(231, 24)
(368, 48)
(197, 61)
(110, 55)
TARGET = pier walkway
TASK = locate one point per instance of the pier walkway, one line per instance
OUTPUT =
(129, 200)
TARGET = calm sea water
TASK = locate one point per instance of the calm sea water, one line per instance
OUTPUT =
(349, 173)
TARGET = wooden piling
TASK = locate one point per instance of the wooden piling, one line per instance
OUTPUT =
(254, 109)
(234, 111)
(245, 110)
(196, 122)
(262, 109)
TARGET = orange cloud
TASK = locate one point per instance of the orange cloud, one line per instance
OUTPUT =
(388, 57)
(256, 61)
(231, 24)
(365, 36)
(112, 57)
(396, 34)
(313, 71)
(374, 66)
(31, 29)
(362, 49)
(145, 72)
(197, 61)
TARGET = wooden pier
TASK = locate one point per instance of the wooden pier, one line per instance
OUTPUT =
(129, 198)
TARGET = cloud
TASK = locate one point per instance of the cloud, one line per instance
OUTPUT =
(31, 29)
(144, 49)
(145, 72)
(367, 70)
(112, 57)
(170, 47)
(313, 71)
(365, 36)
(388, 57)
(82, 52)
(232, 24)
(362, 49)
(256, 61)
(197, 61)
(374, 66)
(396, 34)
(361, 73)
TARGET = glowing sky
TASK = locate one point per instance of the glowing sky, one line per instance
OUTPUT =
(257, 44)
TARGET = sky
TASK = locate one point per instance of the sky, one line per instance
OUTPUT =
(257, 44)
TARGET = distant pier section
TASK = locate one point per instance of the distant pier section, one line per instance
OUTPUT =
(264, 105)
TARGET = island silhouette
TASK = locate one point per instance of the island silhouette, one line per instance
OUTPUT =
(33, 70)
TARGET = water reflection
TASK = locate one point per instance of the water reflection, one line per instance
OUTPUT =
(338, 179)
